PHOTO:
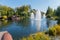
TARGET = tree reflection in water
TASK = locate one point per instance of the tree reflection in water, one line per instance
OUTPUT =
(4, 23)
(24, 22)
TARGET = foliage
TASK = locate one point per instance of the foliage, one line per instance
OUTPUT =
(6, 11)
(55, 30)
(52, 31)
(4, 17)
(23, 10)
(54, 14)
(49, 12)
(23, 38)
(58, 12)
(37, 36)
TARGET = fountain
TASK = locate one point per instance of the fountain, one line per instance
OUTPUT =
(39, 22)
(38, 15)
(36, 19)
(32, 16)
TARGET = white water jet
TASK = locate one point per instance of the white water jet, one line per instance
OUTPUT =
(32, 16)
(38, 20)
(38, 15)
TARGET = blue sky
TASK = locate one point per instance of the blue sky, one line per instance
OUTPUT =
(35, 4)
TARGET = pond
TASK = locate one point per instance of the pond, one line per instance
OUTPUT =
(25, 27)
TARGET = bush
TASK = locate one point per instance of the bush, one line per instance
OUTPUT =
(55, 30)
(52, 31)
(4, 17)
(37, 36)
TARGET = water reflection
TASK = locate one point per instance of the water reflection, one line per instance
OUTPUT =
(38, 24)
(24, 22)
(4, 23)
(44, 26)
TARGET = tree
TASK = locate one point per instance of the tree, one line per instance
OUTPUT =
(23, 10)
(49, 12)
(58, 12)
(10, 12)
(6, 11)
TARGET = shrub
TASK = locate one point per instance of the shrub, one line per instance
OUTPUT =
(37, 36)
(55, 30)
(52, 31)
(4, 17)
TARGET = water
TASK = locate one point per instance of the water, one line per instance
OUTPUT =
(36, 19)
(25, 27)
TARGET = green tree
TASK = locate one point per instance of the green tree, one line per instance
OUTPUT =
(58, 12)
(23, 10)
(6, 11)
(10, 12)
(49, 12)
